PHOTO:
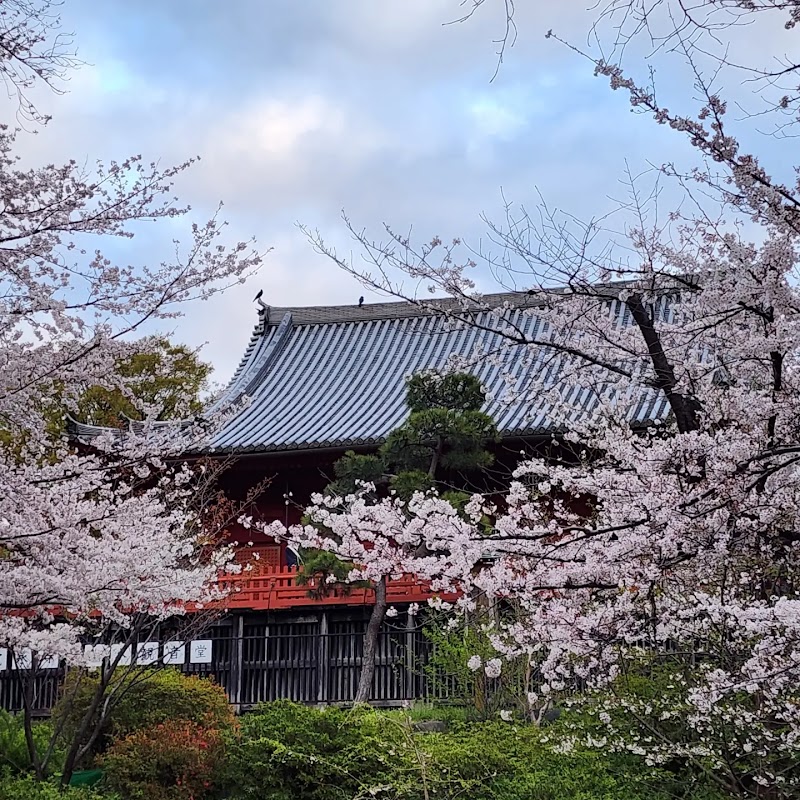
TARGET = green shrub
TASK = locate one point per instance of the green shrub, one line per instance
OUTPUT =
(14, 756)
(27, 788)
(421, 712)
(501, 761)
(287, 751)
(460, 763)
(650, 706)
(447, 669)
(176, 760)
(147, 698)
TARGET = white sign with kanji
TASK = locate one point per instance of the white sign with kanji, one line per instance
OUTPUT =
(200, 651)
(147, 653)
(23, 659)
(174, 653)
(48, 662)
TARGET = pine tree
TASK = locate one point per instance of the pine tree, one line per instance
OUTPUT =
(445, 435)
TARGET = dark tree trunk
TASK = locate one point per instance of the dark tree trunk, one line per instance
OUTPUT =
(684, 406)
(371, 643)
(90, 722)
(436, 458)
(27, 720)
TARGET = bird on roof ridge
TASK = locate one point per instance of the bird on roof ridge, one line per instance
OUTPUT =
(263, 311)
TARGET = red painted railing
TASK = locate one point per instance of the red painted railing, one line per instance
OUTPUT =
(277, 588)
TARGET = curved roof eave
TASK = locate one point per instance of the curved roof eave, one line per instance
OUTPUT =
(333, 377)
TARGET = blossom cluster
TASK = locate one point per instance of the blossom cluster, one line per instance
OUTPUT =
(91, 537)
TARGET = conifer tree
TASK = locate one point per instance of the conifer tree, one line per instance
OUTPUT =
(445, 435)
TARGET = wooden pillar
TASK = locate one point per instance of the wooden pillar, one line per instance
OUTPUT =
(411, 653)
(237, 654)
(323, 659)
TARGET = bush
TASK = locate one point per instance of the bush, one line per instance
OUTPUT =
(449, 673)
(287, 751)
(147, 698)
(176, 760)
(650, 707)
(500, 761)
(27, 788)
(14, 755)
(451, 714)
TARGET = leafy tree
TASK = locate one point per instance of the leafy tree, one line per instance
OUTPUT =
(162, 381)
(445, 431)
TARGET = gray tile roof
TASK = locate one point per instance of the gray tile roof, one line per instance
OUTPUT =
(334, 376)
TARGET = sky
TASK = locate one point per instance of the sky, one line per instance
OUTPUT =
(300, 109)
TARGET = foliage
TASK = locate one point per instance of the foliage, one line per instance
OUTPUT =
(650, 702)
(447, 713)
(288, 751)
(499, 761)
(353, 468)
(158, 381)
(162, 381)
(322, 570)
(144, 698)
(14, 754)
(28, 788)
(174, 760)
(456, 664)
(445, 430)
(454, 391)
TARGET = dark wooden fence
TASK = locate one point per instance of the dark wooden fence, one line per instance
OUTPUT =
(313, 660)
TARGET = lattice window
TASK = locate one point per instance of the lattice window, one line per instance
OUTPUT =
(266, 558)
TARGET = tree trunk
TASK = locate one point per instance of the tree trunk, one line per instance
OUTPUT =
(436, 458)
(90, 721)
(684, 406)
(27, 721)
(371, 643)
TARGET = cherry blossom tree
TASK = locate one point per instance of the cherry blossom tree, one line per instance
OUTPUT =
(111, 536)
(36, 51)
(355, 533)
(668, 350)
(381, 539)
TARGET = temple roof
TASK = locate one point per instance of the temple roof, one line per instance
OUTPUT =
(334, 376)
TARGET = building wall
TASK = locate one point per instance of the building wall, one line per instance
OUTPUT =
(312, 658)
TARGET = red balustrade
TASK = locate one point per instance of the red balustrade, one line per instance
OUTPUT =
(277, 588)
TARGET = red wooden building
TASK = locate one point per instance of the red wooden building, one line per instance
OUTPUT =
(323, 380)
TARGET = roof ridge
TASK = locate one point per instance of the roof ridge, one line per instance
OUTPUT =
(398, 309)
(521, 299)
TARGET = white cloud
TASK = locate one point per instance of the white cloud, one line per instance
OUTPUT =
(276, 128)
(493, 118)
(301, 109)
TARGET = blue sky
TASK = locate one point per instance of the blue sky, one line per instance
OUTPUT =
(302, 108)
